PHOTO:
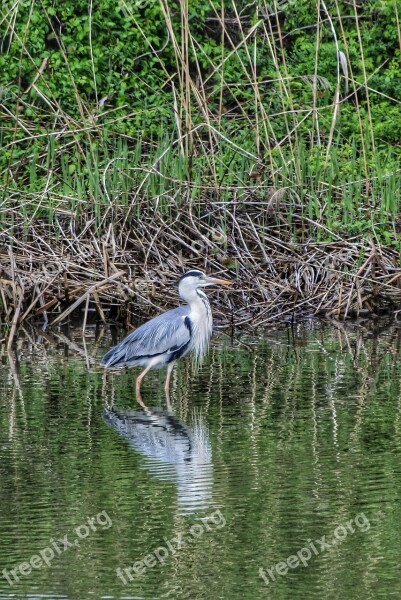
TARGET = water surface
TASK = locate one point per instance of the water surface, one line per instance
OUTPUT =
(275, 472)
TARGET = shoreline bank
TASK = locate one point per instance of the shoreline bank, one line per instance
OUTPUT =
(50, 272)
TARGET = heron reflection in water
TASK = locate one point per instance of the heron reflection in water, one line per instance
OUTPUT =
(174, 451)
(163, 340)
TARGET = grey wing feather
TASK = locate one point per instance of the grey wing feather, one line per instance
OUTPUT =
(169, 332)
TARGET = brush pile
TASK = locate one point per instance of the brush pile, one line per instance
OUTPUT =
(54, 272)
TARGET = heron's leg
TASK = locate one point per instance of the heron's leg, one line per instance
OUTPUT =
(170, 367)
(141, 402)
(139, 381)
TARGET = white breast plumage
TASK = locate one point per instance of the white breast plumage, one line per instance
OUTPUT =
(202, 326)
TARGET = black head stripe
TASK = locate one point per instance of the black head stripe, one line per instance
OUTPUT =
(191, 274)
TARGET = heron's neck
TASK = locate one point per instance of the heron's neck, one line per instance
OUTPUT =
(196, 299)
(201, 322)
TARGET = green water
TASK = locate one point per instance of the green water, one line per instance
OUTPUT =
(276, 474)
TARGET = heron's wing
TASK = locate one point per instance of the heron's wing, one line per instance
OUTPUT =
(169, 333)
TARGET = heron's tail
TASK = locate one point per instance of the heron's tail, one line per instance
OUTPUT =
(113, 357)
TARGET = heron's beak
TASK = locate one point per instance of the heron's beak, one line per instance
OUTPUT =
(216, 281)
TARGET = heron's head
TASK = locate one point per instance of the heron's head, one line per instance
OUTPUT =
(192, 280)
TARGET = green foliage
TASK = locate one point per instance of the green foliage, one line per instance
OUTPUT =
(83, 84)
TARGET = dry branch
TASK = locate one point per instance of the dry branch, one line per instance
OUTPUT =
(126, 274)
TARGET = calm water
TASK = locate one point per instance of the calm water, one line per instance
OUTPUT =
(276, 473)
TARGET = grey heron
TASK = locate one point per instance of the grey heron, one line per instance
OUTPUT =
(163, 340)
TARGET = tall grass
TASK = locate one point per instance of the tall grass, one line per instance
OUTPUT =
(223, 138)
